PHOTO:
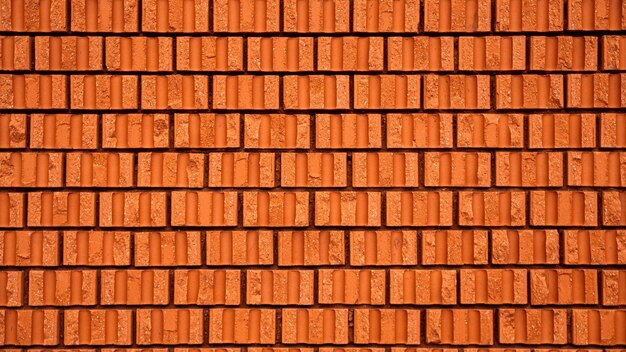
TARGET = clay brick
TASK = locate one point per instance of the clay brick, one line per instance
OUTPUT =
(135, 131)
(614, 52)
(311, 248)
(563, 53)
(351, 286)
(97, 327)
(383, 248)
(170, 170)
(180, 248)
(11, 209)
(13, 130)
(103, 92)
(533, 326)
(493, 208)
(563, 286)
(348, 131)
(239, 248)
(174, 92)
(524, 247)
(276, 209)
(385, 170)
(454, 247)
(614, 208)
(280, 287)
(563, 208)
(30, 169)
(59, 131)
(241, 169)
(313, 170)
(492, 53)
(32, 16)
(209, 53)
(206, 131)
(206, 287)
(15, 53)
(349, 54)
(613, 287)
(96, 248)
(596, 15)
(61, 209)
(204, 208)
(316, 92)
(493, 286)
(242, 326)
(11, 288)
(562, 131)
(33, 91)
(594, 247)
(387, 92)
(529, 91)
(169, 326)
(596, 90)
(315, 326)
(61, 287)
(316, 16)
(419, 131)
(490, 130)
(104, 16)
(387, 326)
(132, 209)
(598, 327)
(457, 16)
(530, 169)
(174, 16)
(456, 92)
(457, 169)
(612, 130)
(532, 15)
(29, 327)
(68, 53)
(422, 287)
(277, 131)
(138, 53)
(29, 248)
(599, 169)
(347, 208)
(245, 91)
(99, 170)
(420, 53)
(459, 326)
(406, 208)
(280, 54)
(246, 16)
(386, 16)
(131, 287)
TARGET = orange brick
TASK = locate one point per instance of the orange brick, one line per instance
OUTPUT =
(11, 288)
(457, 16)
(29, 248)
(99, 169)
(490, 130)
(204, 208)
(61, 287)
(31, 16)
(420, 53)
(280, 54)
(97, 327)
(529, 91)
(386, 16)
(169, 326)
(348, 54)
(30, 327)
(598, 326)
(419, 131)
(103, 92)
(383, 248)
(563, 53)
(533, 326)
(347, 208)
(131, 287)
(181, 248)
(239, 247)
(454, 247)
(315, 326)
(595, 15)
(135, 131)
(530, 169)
(348, 131)
(15, 52)
(387, 91)
(275, 209)
(492, 208)
(207, 287)
(406, 208)
(209, 53)
(562, 131)
(337, 286)
(612, 129)
(457, 169)
(492, 53)
(138, 53)
(613, 287)
(61, 209)
(245, 92)
(614, 208)
(171, 16)
(313, 170)
(96, 248)
(385, 169)
(524, 247)
(13, 130)
(594, 247)
(596, 90)
(174, 92)
(206, 131)
(563, 208)
(456, 92)
(132, 209)
(277, 131)
(244, 16)
(423, 287)
(532, 15)
(241, 169)
(316, 92)
(30, 169)
(33, 91)
(599, 169)
(459, 326)
(614, 49)
(297, 248)
(61, 53)
(387, 326)
(104, 16)
(170, 170)
(493, 286)
(242, 326)
(563, 286)
(280, 287)
(12, 209)
(317, 16)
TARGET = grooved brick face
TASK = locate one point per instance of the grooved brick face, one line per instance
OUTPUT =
(313, 175)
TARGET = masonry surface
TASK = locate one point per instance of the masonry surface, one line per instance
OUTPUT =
(313, 175)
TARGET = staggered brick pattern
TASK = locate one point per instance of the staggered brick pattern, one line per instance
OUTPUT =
(313, 175)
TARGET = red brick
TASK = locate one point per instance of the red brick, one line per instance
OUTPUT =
(204, 208)
(614, 49)
(315, 326)
(317, 16)
(419, 131)
(180, 248)
(533, 15)
(422, 287)
(15, 52)
(313, 170)
(13, 130)
(61, 209)
(241, 169)
(533, 326)
(60, 131)
(348, 131)
(97, 327)
(383, 248)
(614, 208)
(103, 92)
(456, 92)
(11, 209)
(30, 169)
(276, 209)
(68, 53)
(594, 247)
(29, 248)
(169, 326)
(595, 15)
(613, 287)
(277, 131)
(245, 92)
(174, 92)
(401, 170)
(406, 208)
(459, 326)
(457, 169)
(29, 327)
(351, 286)
(348, 54)
(524, 247)
(280, 54)
(598, 327)
(172, 16)
(242, 326)
(170, 170)
(62, 287)
(457, 16)
(563, 208)
(454, 247)
(420, 53)
(207, 287)
(495, 208)
(32, 16)
(96, 248)
(307, 248)
(387, 91)
(135, 131)
(563, 53)
(386, 16)
(131, 287)
(11, 288)
(563, 286)
(245, 16)
(612, 129)
(33, 91)
(280, 287)
(206, 131)
(387, 326)
(99, 170)
(529, 91)
(104, 16)
(597, 90)
(529, 169)
(209, 54)
(239, 247)
(138, 53)
(493, 286)
(562, 131)
(599, 169)
(490, 130)
(347, 208)
(316, 92)
(132, 209)
(492, 53)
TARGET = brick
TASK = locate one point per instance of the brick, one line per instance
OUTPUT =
(598, 326)
(456, 92)
(562, 131)
(280, 54)
(68, 53)
(104, 16)
(97, 327)
(387, 326)
(180, 248)
(61, 209)
(563, 286)
(369, 170)
(99, 169)
(612, 127)
(563, 53)
(280, 287)
(245, 92)
(347, 208)
(31, 169)
(33, 91)
(596, 15)
(206, 131)
(317, 16)
(457, 16)
(315, 326)
(387, 91)
(420, 53)
(276, 131)
(138, 53)
(459, 326)
(239, 248)
(29, 327)
(614, 208)
(316, 92)
(350, 286)
(495, 208)
(613, 53)
(11, 288)
(597, 90)
(31, 16)
(169, 326)
(419, 131)
(132, 209)
(454, 247)
(529, 91)
(490, 130)
(60, 131)
(203, 208)
(241, 169)
(493, 286)
(174, 92)
(348, 54)
(599, 169)
(533, 15)
(422, 287)
(11, 209)
(61, 287)
(406, 208)
(170, 170)
(530, 169)
(96, 248)
(563, 208)
(470, 169)
(209, 54)
(524, 247)
(594, 247)
(103, 92)
(29, 248)
(313, 170)
(276, 209)
(296, 248)
(245, 16)
(348, 131)
(492, 53)
(206, 287)
(386, 16)
(613, 287)
(383, 248)
(242, 326)
(131, 287)
(15, 52)
(135, 131)
(13, 130)
(172, 16)
(533, 326)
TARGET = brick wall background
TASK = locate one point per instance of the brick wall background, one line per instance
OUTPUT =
(313, 175)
